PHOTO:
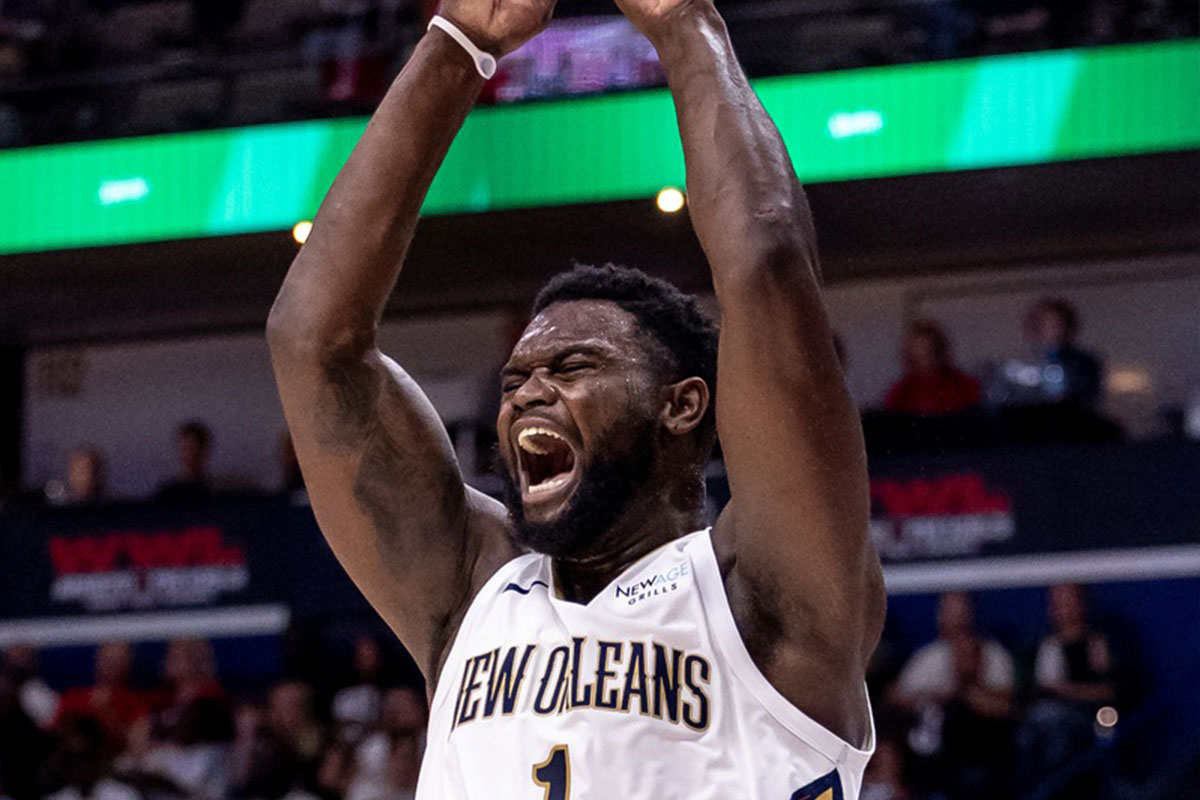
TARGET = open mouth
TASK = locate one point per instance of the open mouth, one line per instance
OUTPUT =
(546, 459)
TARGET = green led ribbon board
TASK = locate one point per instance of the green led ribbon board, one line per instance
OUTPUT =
(935, 117)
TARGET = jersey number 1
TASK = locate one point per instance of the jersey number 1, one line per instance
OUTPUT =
(554, 774)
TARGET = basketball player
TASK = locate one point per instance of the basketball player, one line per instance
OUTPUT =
(592, 640)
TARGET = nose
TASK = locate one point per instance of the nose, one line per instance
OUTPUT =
(534, 391)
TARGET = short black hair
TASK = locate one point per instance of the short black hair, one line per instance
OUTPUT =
(673, 320)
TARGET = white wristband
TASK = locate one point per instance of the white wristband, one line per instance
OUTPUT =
(485, 63)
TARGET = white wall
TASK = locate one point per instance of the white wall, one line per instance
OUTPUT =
(126, 399)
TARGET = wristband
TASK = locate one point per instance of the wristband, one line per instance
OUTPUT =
(485, 63)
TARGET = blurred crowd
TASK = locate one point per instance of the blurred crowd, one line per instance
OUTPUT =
(71, 69)
(1056, 370)
(1051, 392)
(962, 718)
(959, 718)
(187, 736)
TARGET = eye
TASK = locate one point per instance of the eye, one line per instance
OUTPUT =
(574, 367)
(510, 383)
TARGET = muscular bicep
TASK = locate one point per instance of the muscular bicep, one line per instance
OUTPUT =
(388, 495)
(794, 455)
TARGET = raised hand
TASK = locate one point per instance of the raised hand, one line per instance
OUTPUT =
(498, 26)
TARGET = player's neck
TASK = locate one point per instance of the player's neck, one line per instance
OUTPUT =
(641, 531)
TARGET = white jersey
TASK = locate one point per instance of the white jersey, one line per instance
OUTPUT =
(645, 693)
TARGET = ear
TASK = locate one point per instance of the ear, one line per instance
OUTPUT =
(683, 405)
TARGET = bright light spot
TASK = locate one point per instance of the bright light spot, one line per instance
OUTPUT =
(301, 231)
(1106, 717)
(126, 190)
(670, 200)
(1129, 380)
(855, 123)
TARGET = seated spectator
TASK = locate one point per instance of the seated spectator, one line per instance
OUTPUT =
(192, 761)
(1073, 676)
(278, 752)
(110, 702)
(356, 707)
(960, 689)
(1057, 371)
(193, 484)
(37, 699)
(191, 676)
(259, 764)
(932, 385)
(87, 480)
(291, 718)
(336, 770)
(387, 761)
(80, 768)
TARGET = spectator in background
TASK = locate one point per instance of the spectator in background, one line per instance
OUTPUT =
(193, 484)
(257, 763)
(356, 707)
(336, 771)
(1073, 676)
(291, 718)
(190, 673)
(37, 699)
(87, 480)
(278, 751)
(87, 476)
(110, 702)
(960, 689)
(1058, 373)
(81, 766)
(191, 761)
(387, 762)
(1069, 373)
(931, 385)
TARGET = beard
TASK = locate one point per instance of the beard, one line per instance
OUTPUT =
(607, 487)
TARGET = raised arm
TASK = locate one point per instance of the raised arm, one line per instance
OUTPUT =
(797, 523)
(380, 470)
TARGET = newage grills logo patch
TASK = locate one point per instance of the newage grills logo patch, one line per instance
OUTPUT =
(654, 585)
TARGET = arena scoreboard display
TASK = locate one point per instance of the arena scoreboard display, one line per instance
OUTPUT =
(935, 117)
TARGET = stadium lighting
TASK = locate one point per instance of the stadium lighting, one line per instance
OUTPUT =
(301, 231)
(670, 200)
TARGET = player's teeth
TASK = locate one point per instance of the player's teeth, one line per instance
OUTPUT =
(523, 440)
(545, 486)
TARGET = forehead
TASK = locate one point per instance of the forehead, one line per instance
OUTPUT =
(592, 324)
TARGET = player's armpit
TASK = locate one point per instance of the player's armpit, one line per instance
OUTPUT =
(799, 513)
(794, 452)
(387, 491)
